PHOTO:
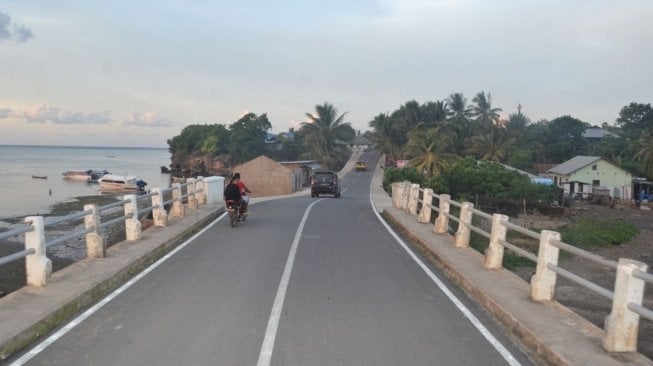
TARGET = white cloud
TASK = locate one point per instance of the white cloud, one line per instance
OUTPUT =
(44, 114)
(147, 119)
(4, 113)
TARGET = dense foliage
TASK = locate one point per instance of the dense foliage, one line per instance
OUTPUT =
(432, 135)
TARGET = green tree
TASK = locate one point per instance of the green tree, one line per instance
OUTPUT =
(486, 116)
(322, 131)
(644, 155)
(385, 137)
(248, 137)
(635, 119)
(494, 145)
(458, 113)
(427, 150)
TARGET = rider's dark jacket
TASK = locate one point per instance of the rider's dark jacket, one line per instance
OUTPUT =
(232, 192)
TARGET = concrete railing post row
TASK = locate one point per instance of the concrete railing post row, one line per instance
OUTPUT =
(427, 201)
(544, 281)
(192, 200)
(622, 324)
(177, 205)
(159, 214)
(200, 188)
(95, 247)
(494, 251)
(413, 199)
(133, 229)
(442, 221)
(37, 266)
(405, 196)
(461, 238)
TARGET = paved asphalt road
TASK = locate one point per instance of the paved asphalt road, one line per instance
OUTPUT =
(304, 281)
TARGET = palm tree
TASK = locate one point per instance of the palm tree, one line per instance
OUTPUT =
(428, 151)
(384, 136)
(482, 110)
(458, 120)
(494, 145)
(322, 131)
(645, 155)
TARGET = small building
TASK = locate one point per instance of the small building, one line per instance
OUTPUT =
(584, 175)
(266, 177)
(307, 168)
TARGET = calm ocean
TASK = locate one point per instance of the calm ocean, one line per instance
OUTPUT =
(21, 195)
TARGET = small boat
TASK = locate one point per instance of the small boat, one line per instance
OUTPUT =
(85, 175)
(77, 174)
(39, 177)
(121, 182)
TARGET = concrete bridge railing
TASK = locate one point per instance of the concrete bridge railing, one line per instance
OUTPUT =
(621, 325)
(195, 192)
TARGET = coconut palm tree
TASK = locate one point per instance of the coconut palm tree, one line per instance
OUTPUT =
(428, 150)
(322, 130)
(458, 120)
(385, 137)
(482, 111)
(645, 154)
(494, 145)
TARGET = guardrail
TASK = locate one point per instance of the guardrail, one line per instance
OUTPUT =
(39, 267)
(621, 325)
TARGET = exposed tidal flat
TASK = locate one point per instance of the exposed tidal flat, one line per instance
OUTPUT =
(22, 195)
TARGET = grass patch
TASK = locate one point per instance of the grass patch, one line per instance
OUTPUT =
(596, 232)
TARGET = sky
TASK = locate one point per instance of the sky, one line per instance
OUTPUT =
(135, 73)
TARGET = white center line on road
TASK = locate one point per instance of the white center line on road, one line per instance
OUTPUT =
(512, 361)
(265, 356)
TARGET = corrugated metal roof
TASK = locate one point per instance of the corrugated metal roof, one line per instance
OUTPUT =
(597, 133)
(573, 164)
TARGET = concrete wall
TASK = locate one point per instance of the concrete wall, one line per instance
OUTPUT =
(266, 177)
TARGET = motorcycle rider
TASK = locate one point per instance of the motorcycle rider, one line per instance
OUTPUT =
(232, 192)
(244, 190)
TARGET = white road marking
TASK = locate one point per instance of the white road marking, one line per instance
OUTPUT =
(265, 355)
(75, 322)
(461, 307)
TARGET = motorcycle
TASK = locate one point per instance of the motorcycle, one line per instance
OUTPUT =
(233, 210)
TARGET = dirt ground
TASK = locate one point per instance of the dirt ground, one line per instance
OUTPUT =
(587, 303)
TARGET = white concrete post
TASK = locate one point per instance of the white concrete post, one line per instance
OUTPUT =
(397, 190)
(461, 238)
(442, 221)
(37, 266)
(200, 189)
(544, 281)
(159, 214)
(405, 195)
(413, 199)
(494, 252)
(177, 205)
(190, 187)
(133, 229)
(427, 200)
(95, 247)
(622, 324)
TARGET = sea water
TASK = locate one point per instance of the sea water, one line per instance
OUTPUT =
(22, 195)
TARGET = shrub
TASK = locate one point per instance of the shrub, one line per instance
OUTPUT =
(588, 232)
(391, 175)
